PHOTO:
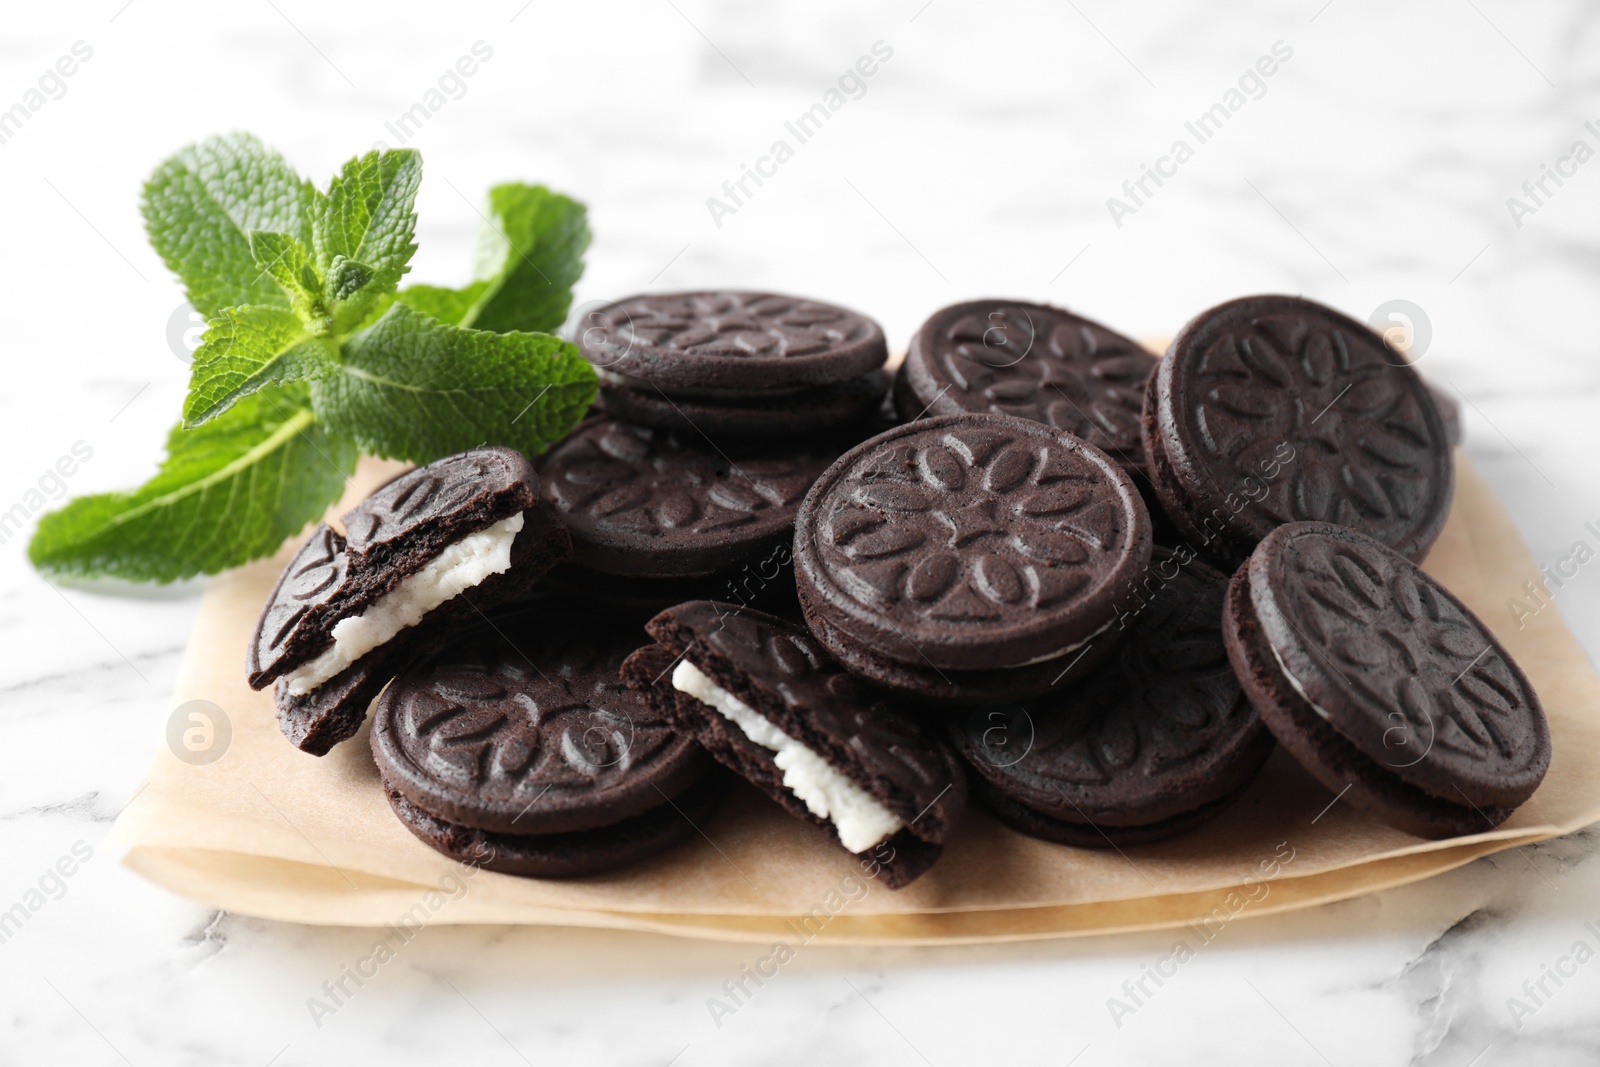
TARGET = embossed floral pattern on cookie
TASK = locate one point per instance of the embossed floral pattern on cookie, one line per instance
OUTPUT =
(653, 491)
(517, 739)
(1035, 362)
(971, 525)
(1273, 409)
(732, 340)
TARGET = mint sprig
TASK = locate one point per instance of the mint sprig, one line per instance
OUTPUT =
(312, 353)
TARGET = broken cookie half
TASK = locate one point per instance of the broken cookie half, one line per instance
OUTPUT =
(423, 554)
(762, 697)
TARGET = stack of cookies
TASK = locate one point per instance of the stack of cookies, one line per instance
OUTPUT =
(736, 365)
(1086, 589)
(716, 412)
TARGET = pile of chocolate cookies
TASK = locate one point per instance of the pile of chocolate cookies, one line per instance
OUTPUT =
(1089, 589)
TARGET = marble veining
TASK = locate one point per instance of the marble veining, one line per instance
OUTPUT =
(1377, 165)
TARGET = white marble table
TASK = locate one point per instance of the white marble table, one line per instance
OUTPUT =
(1374, 165)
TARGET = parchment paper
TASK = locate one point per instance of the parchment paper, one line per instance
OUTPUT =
(267, 830)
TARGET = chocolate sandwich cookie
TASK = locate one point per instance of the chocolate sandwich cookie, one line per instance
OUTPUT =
(649, 503)
(1008, 357)
(735, 363)
(520, 749)
(969, 557)
(1154, 742)
(1273, 409)
(423, 553)
(764, 699)
(1382, 684)
(732, 340)
(773, 413)
(575, 852)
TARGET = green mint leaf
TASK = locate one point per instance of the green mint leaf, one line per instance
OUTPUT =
(288, 263)
(531, 253)
(247, 348)
(368, 215)
(200, 206)
(446, 305)
(346, 278)
(230, 491)
(356, 294)
(411, 387)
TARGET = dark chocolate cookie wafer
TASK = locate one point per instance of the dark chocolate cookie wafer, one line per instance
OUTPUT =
(1382, 684)
(1273, 409)
(1156, 741)
(765, 700)
(332, 712)
(1026, 820)
(731, 341)
(932, 685)
(525, 727)
(772, 413)
(416, 515)
(294, 625)
(648, 503)
(969, 543)
(575, 852)
(1037, 362)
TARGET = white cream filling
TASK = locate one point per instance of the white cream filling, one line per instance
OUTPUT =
(1294, 683)
(461, 565)
(1060, 652)
(861, 821)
